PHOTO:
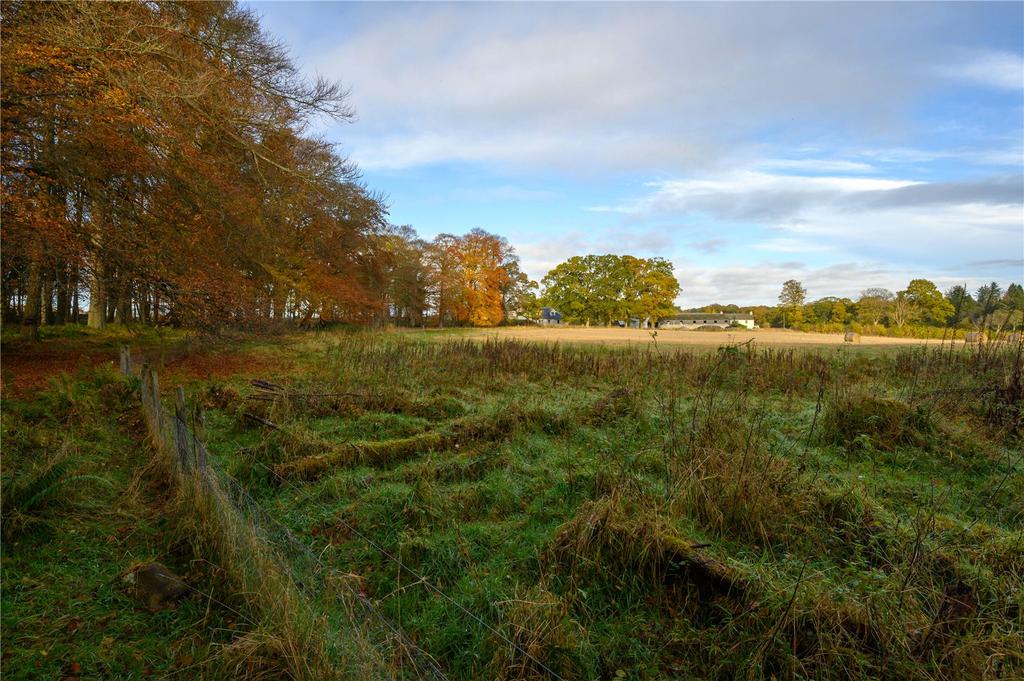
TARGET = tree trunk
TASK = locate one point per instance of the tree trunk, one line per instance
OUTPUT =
(75, 311)
(33, 300)
(61, 312)
(97, 297)
(123, 304)
(47, 300)
(144, 304)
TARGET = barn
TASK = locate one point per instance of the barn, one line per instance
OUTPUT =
(697, 320)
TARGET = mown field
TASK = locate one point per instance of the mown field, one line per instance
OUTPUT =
(523, 510)
(703, 339)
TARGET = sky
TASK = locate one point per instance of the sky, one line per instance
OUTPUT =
(844, 145)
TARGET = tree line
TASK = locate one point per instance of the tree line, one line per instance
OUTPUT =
(920, 309)
(156, 169)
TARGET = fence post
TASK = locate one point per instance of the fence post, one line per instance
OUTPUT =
(181, 429)
(145, 388)
(158, 410)
(199, 435)
(126, 360)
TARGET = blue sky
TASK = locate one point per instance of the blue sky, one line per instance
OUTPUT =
(845, 145)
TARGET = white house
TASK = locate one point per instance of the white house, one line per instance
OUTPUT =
(697, 320)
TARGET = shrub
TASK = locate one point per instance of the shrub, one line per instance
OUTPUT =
(882, 423)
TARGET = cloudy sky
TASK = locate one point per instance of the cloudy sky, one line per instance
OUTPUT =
(845, 145)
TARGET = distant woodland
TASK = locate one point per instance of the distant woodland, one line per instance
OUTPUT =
(920, 310)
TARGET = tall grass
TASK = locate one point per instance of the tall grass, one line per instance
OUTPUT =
(750, 512)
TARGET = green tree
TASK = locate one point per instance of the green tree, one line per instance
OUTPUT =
(963, 304)
(604, 288)
(874, 305)
(792, 299)
(989, 300)
(1013, 301)
(839, 315)
(519, 295)
(902, 309)
(927, 302)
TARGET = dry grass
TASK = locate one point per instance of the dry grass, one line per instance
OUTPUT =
(616, 336)
(290, 638)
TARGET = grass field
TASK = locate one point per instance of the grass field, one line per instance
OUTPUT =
(648, 511)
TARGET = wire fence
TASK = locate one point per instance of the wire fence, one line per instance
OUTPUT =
(180, 434)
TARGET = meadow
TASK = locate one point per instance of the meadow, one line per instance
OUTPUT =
(530, 510)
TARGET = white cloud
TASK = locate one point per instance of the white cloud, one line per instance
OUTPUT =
(760, 283)
(816, 165)
(786, 244)
(671, 86)
(749, 194)
(904, 220)
(994, 69)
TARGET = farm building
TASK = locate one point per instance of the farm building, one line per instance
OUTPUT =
(550, 315)
(697, 320)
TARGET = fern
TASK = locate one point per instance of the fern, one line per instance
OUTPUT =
(33, 491)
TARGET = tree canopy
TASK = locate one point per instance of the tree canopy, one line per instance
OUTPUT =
(605, 288)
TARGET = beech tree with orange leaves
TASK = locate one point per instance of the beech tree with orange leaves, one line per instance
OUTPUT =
(472, 277)
(153, 164)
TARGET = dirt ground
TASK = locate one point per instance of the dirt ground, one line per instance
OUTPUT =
(26, 367)
(617, 336)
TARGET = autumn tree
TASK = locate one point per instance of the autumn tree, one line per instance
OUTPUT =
(792, 298)
(474, 278)
(483, 278)
(405, 276)
(152, 154)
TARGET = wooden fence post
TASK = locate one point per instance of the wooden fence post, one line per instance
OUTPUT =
(199, 434)
(158, 411)
(181, 429)
(145, 388)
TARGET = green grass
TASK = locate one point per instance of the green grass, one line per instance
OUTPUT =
(641, 513)
(65, 610)
(851, 535)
